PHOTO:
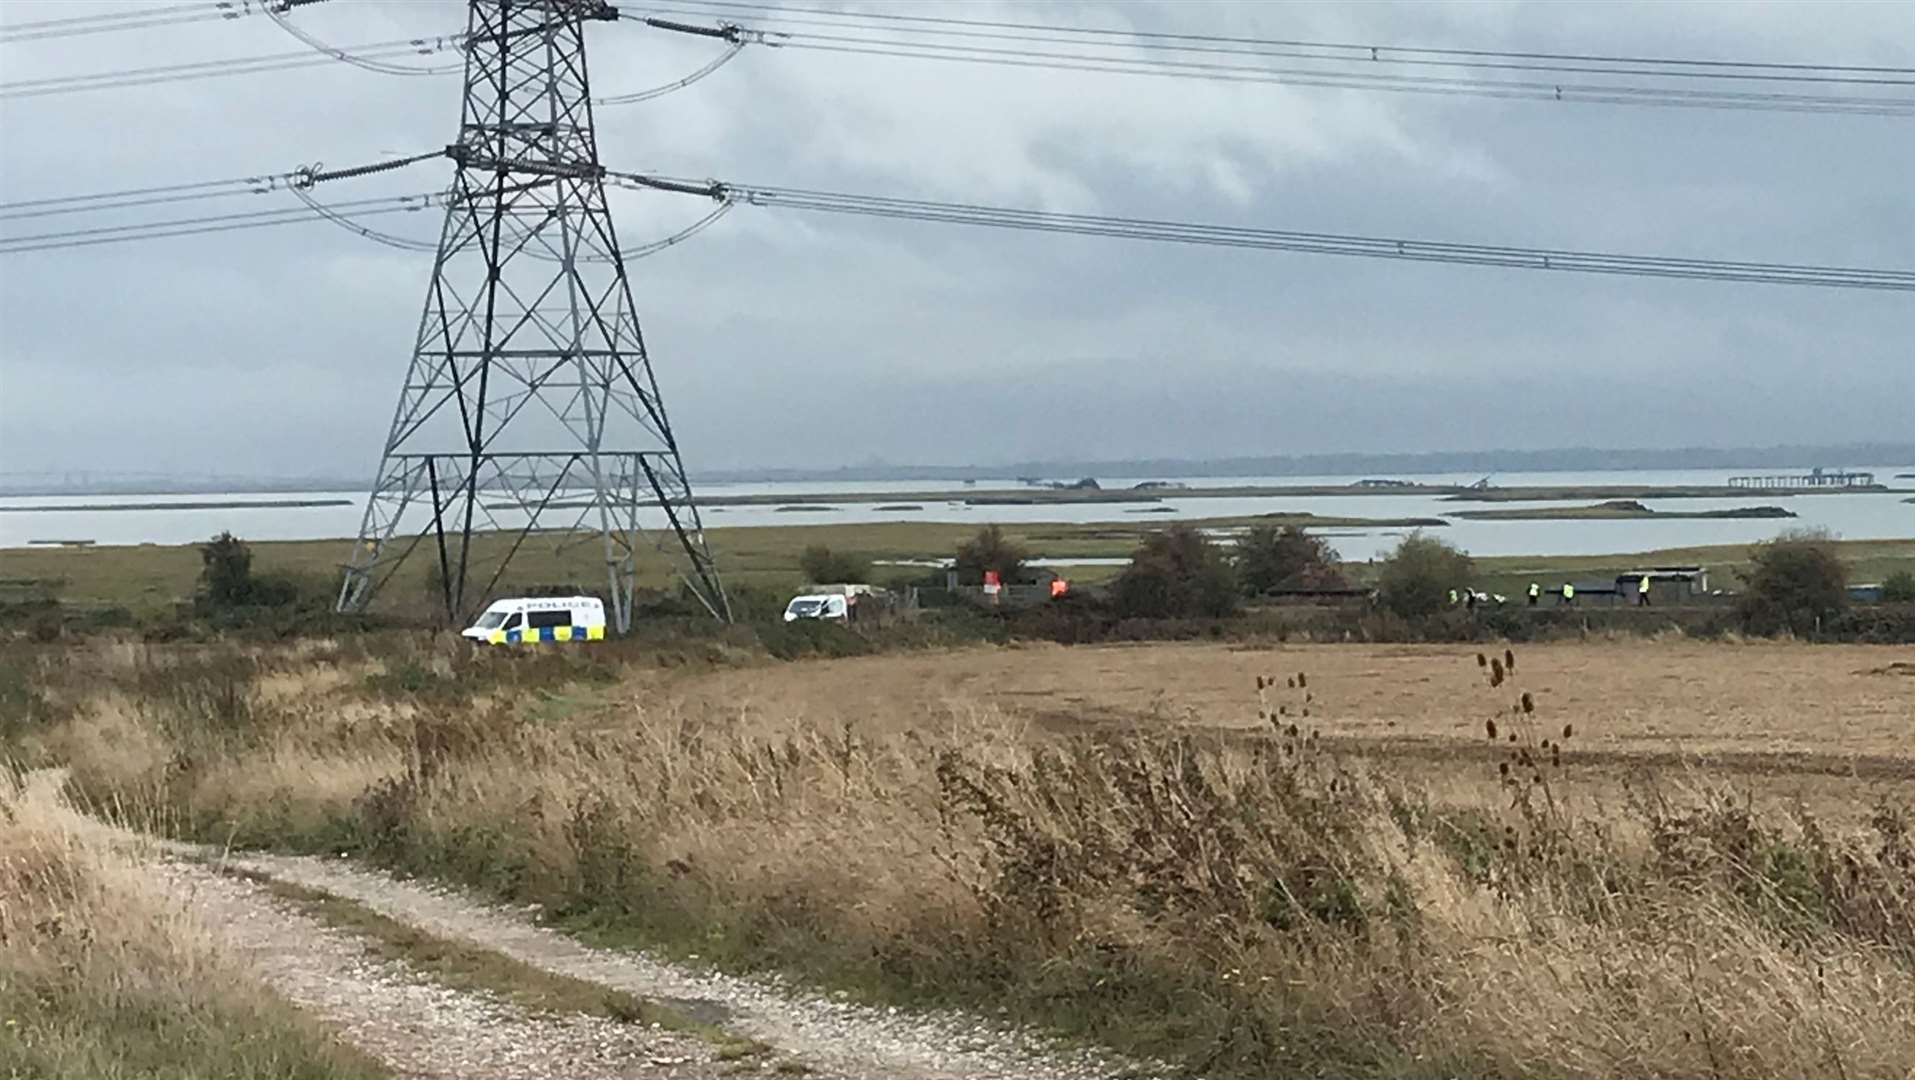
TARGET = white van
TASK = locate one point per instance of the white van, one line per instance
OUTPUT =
(526, 619)
(831, 607)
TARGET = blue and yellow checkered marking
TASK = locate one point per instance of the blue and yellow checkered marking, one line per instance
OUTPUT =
(529, 635)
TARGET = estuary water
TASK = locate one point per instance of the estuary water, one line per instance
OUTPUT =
(1853, 516)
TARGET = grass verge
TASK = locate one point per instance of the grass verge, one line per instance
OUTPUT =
(105, 974)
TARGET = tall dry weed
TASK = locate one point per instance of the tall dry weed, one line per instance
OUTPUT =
(106, 971)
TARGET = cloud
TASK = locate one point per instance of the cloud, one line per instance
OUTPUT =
(282, 349)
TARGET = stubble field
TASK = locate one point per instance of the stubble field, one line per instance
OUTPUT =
(1633, 697)
(1787, 718)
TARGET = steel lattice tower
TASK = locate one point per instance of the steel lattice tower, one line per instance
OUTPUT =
(530, 392)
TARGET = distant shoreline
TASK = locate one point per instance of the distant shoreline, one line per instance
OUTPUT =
(247, 504)
(822, 501)
(1883, 455)
(1623, 510)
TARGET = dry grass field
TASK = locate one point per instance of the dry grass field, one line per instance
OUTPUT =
(1831, 727)
(1691, 861)
(1823, 707)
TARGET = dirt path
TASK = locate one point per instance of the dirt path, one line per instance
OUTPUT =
(428, 1031)
(419, 1028)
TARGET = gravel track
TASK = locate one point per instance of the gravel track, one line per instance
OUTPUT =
(419, 1028)
(383, 1011)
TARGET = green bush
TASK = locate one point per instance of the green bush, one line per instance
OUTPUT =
(1420, 574)
(750, 602)
(1795, 583)
(1899, 587)
(1874, 624)
(1177, 573)
(1273, 557)
(827, 567)
(226, 571)
(228, 584)
(812, 638)
(990, 549)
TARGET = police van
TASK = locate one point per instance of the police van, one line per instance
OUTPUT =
(526, 619)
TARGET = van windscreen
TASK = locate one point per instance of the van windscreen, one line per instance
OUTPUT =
(490, 620)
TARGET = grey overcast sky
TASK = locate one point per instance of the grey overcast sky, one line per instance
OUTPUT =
(786, 340)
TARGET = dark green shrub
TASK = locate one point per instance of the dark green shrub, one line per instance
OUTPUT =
(1899, 587)
(1174, 574)
(749, 602)
(811, 637)
(1420, 574)
(1875, 624)
(46, 627)
(1285, 557)
(1794, 582)
(990, 549)
(231, 594)
(23, 708)
(226, 571)
(827, 567)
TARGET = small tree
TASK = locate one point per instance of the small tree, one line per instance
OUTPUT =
(1176, 573)
(1419, 575)
(1794, 582)
(827, 567)
(226, 571)
(1899, 587)
(1285, 557)
(990, 549)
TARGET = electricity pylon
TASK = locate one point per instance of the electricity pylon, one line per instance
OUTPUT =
(530, 392)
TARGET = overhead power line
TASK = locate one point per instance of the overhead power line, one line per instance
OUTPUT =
(207, 69)
(375, 56)
(735, 37)
(1578, 93)
(1657, 81)
(110, 16)
(252, 219)
(350, 224)
(358, 59)
(146, 196)
(678, 84)
(727, 195)
(296, 181)
(150, 200)
(1321, 243)
(1596, 80)
(1352, 50)
(300, 183)
(130, 19)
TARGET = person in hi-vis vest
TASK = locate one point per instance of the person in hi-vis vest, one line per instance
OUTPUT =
(1569, 594)
(1535, 593)
(1642, 591)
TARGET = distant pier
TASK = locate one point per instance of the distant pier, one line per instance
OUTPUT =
(1820, 478)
